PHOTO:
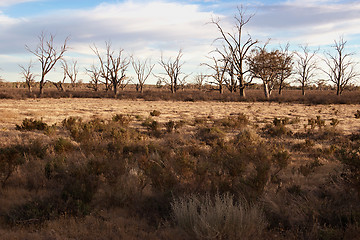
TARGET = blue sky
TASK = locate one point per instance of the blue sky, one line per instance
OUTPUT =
(147, 29)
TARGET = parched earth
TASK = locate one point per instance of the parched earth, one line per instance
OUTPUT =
(52, 111)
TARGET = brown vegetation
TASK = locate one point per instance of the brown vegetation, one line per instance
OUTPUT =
(144, 171)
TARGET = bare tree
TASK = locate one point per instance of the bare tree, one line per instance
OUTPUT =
(28, 76)
(231, 83)
(199, 81)
(143, 71)
(71, 72)
(219, 68)
(305, 67)
(113, 67)
(286, 66)
(94, 74)
(341, 67)
(60, 84)
(172, 74)
(236, 47)
(48, 55)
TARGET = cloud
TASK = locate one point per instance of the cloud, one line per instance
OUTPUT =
(312, 21)
(143, 29)
(6, 3)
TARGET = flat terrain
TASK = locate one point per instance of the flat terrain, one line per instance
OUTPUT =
(55, 110)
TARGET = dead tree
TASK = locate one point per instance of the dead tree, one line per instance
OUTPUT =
(60, 84)
(219, 68)
(286, 66)
(236, 47)
(231, 83)
(28, 76)
(200, 80)
(71, 72)
(143, 71)
(341, 67)
(305, 67)
(113, 67)
(48, 55)
(172, 74)
(94, 75)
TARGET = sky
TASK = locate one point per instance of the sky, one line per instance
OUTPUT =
(155, 28)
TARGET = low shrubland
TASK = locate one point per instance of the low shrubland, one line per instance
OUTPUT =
(203, 179)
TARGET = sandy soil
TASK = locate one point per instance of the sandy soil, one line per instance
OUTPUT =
(55, 110)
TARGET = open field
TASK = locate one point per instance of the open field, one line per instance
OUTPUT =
(55, 110)
(121, 169)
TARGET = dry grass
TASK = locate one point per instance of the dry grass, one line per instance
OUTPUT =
(134, 170)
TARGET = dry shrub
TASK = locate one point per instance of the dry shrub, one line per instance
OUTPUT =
(220, 217)
(234, 122)
(29, 124)
(278, 127)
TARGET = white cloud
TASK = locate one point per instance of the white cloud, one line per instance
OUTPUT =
(142, 29)
(5, 3)
(316, 22)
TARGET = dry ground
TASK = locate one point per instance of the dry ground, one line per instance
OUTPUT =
(55, 110)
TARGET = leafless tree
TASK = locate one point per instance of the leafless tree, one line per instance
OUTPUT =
(199, 81)
(236, 47)
(28, 76)
(219, 68)
(48, 55)
(71, 72)
(94, 74)
(305, 67)
(113, 67)
(60, 84)
(143, 71)
(172, 76)
(231, 83)
(341, 67)
(286, 66)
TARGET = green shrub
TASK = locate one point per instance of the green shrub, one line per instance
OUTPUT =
(29, 124)
(219, 217)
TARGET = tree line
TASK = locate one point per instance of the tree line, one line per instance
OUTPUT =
(234, 64)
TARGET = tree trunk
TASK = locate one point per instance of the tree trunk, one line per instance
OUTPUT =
(115, 90)
(280, 90)
(303, 90)
(241, 87)
(266, 91)
(338, 92)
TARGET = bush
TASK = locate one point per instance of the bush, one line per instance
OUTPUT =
(219, 217)
(29, 124)
(122, 119)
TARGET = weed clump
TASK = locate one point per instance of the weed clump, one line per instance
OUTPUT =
(30, 124)
(218, 217)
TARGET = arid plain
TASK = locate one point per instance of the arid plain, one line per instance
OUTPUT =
(55, 110)
(293, 162)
